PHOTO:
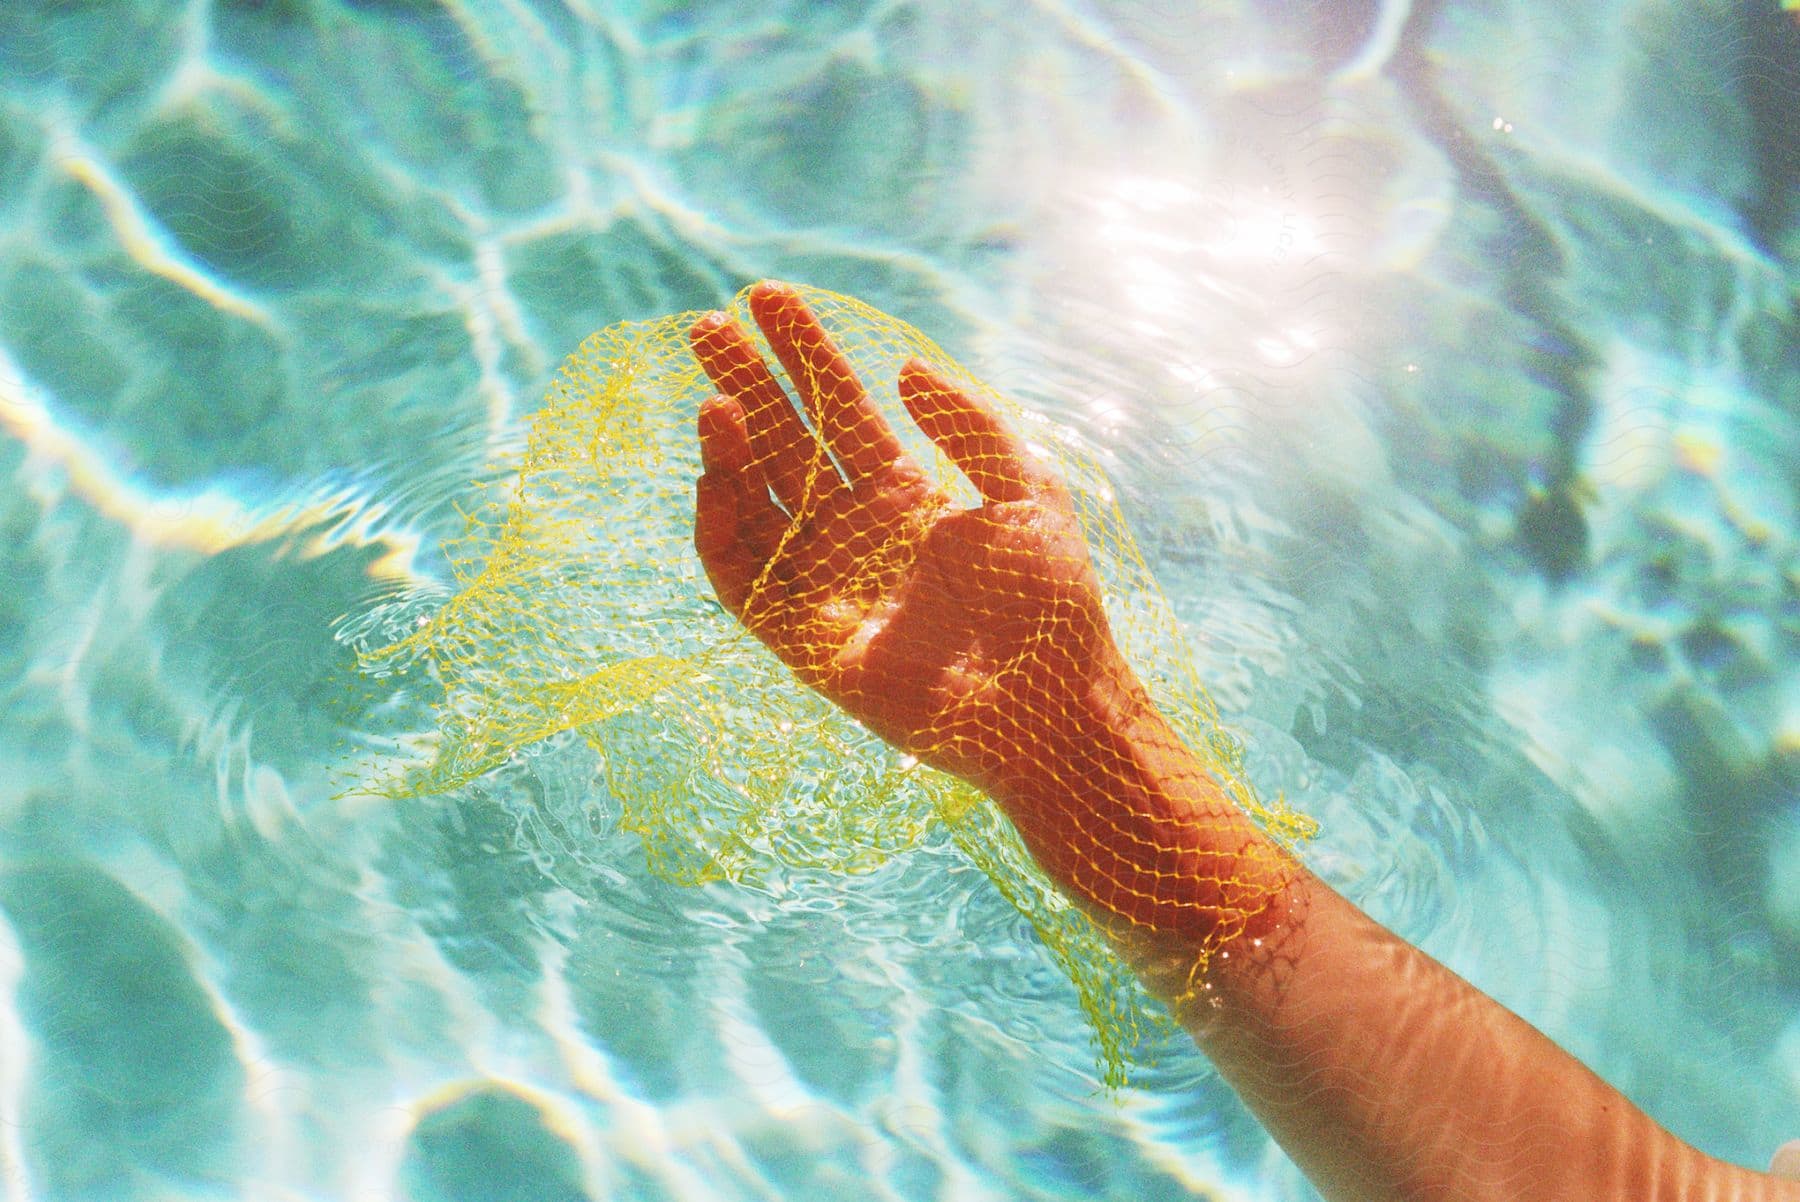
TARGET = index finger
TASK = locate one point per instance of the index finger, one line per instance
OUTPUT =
(968, 430)
(846, 417)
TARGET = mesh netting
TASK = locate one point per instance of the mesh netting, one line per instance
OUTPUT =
(943, 604)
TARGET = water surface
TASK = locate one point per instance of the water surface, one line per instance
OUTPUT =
(1446, 360)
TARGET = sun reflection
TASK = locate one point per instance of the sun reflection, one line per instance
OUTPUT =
(1143, 214)
(1170, 246)
(1204, 308)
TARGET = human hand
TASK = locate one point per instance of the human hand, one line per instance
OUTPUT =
(970, 638)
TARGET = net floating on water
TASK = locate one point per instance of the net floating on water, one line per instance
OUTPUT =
(579, 605)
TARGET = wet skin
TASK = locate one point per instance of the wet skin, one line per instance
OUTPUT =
(1383, 1074)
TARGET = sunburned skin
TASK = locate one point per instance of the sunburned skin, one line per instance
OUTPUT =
(1384, 1075)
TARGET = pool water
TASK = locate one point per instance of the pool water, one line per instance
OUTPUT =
(1446, 361)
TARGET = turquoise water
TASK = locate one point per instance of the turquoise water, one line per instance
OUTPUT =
(1447, 362)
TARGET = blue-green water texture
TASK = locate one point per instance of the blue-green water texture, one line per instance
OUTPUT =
(1446, 360)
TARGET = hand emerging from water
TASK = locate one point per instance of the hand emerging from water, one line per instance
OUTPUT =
(975, 639)
(967, 637)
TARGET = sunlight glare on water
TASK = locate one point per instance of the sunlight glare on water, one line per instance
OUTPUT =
(1440, 356)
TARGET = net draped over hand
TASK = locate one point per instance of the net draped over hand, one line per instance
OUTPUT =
(580, 605)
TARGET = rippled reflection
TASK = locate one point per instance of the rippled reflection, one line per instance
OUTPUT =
(1465, 450)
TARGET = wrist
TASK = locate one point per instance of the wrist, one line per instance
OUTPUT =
(1125, 816)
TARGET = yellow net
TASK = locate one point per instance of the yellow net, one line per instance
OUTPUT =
(945, 604)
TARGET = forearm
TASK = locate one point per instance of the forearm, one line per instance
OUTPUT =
(1384, 1075)
(977, 640)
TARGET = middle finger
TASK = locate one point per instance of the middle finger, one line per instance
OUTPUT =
(841, 409)
(793, 463)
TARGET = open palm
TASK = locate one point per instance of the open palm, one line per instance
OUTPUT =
(959, 635)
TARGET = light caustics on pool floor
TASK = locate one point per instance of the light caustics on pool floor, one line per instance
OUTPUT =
(1447, 403)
